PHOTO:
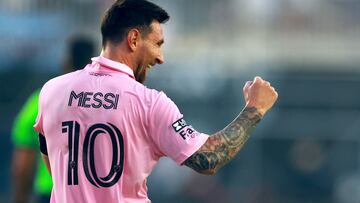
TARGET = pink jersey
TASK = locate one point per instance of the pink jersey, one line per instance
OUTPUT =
(105, 132)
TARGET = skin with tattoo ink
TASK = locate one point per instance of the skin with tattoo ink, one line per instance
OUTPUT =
(222, 146)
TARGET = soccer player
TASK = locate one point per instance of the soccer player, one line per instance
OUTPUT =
(102, 131)
(26, 145)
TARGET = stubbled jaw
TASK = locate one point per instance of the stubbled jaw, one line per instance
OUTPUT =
(141, 72)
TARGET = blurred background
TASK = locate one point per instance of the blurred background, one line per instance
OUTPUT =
(305, 150)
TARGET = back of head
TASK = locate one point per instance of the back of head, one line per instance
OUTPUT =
(124, 15)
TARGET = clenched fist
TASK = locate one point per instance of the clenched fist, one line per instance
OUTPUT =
(259, 94)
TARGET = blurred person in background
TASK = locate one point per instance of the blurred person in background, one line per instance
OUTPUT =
(137, 125)
(31, 180)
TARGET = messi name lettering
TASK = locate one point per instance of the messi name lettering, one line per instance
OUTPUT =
(94, 100)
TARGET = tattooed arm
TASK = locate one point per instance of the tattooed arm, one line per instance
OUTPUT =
(221, 147)
(225, 144)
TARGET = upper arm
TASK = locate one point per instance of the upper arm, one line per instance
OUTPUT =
(172, 136)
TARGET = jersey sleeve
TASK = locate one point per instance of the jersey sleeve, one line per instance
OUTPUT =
(23, 134)
(43, 145)
(38, 126)
(171, 134)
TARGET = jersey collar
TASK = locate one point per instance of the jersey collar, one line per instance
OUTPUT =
(113, 65)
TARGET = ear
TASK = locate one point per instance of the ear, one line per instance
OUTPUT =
(133, 38)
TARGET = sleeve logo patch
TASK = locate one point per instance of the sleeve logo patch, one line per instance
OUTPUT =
(179, 124)
(183, 129)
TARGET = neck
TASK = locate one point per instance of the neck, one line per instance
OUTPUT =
(118, 54)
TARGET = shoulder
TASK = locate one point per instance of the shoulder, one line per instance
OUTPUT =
(152, 96)
(151, 100)
(62, 78)
(56, 83)
(160, 102)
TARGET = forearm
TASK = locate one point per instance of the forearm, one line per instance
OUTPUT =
(225, 144)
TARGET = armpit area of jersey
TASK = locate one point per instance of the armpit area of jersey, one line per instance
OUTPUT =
(43, 147)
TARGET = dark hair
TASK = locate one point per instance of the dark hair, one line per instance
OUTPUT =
(80, 51)
(124, 15)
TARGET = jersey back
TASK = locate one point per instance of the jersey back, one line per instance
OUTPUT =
(105, 133)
